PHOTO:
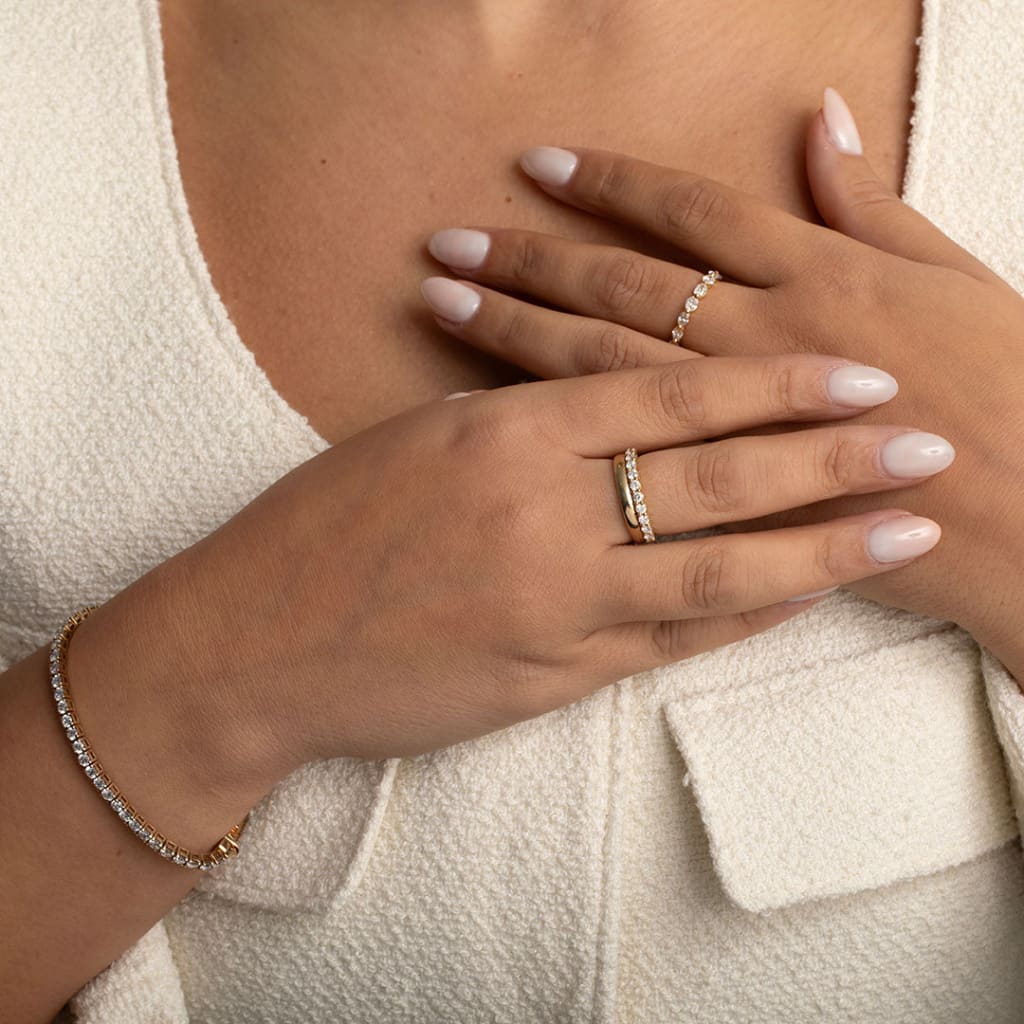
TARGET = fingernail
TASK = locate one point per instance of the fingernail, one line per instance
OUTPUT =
(449, 299)
(861, 386)
(839, 122)
(460, 247)
(457, 394)
(916, 454)
(813, 593)
(902, 537)
(548, 165)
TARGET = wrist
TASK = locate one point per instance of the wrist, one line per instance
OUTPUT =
(146, 685)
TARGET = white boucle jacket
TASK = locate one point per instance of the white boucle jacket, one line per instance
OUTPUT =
(816, 824)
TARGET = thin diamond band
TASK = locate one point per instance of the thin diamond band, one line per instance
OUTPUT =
(225, 847)
(692, 304)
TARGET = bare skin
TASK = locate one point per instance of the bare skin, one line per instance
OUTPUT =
(318, 152)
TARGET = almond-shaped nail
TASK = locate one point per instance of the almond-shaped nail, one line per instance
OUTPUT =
(861, 386)
(916, 454)
(839, 122)
(549, 165)
(461, 248)
(901, 538)
(449, 299)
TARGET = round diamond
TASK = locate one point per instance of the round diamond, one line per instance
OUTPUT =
(91, 771)
(711, 277)
(645, 521)
(62, 705)
(72, 733)
(84, 758)
(66, 721)
(155, 843)
(691, 304)
(677, 334)
(107, 793)
(641, 508)
(78, 746)
(179, 859)
(55, 680)
(701, 290)
(683, 319)
(193, 862)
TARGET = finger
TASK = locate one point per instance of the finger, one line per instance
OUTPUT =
(600, 281)
(852, 199)
(633, 647)
(547, 343)
(721, 227)
(695, 399)
(745, 478)
(730, 573)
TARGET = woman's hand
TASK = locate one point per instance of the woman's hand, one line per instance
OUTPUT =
(882, 285)
(466, 565)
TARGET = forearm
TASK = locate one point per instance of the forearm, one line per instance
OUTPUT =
(77, 887)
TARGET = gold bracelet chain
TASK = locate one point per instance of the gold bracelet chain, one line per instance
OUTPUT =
(225, 847)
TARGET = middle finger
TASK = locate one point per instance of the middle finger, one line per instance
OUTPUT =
(604, 282)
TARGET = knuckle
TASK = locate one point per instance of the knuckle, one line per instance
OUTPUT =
(828, 558)
(490, 430)
(678, 396)
(509, 332)
(613, 349)
(713, 482)
(836, 462)
(689, 205)
(611, 182)
(669, 640)
(527, 260)
(851, 277)
(619, 283)
(786, 388)
(710, 580)
(867, 192)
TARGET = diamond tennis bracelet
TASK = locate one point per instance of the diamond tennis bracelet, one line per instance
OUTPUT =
(225, 847)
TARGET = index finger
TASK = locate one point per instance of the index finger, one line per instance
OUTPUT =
(722, 227)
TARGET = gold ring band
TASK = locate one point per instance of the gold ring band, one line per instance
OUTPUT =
(631, 497)
(692, 304)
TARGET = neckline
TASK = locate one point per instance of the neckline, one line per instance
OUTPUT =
(252, 374)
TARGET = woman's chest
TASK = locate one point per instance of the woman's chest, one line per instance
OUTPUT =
(313, 192)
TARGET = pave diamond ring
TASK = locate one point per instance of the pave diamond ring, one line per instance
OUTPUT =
(691, 305)
(631, 498)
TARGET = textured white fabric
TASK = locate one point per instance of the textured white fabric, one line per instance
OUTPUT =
(814, 824)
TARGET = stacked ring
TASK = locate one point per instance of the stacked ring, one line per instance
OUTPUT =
(631, 497)
(691, 304)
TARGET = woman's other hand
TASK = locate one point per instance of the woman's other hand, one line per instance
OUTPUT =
(880, 284)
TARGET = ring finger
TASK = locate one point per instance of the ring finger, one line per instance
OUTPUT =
(542, 341)
(743, 478)
(600, 281)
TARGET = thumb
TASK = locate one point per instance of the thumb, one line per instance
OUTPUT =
(854, 200)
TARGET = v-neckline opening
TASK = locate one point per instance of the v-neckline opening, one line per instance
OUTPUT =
(244, 358)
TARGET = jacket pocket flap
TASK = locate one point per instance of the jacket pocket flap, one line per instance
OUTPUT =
(849, 775)
(309, 841)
